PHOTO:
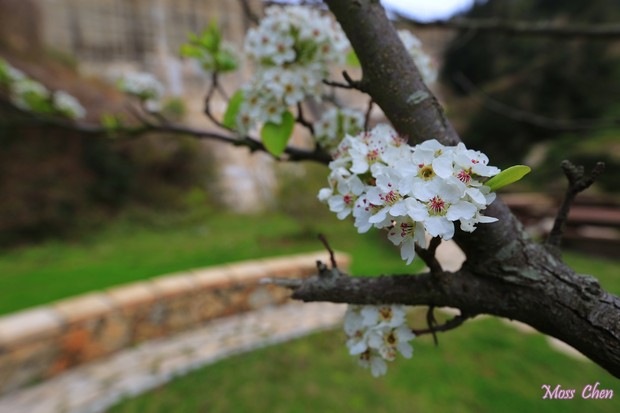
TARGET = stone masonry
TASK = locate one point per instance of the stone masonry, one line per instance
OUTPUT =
(40, 343)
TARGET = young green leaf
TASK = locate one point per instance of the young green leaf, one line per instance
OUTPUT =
(276, 136)
(234, 104)
(211, 38)
(187, 50)
(225, 62)
(507, 177)
(352, 59)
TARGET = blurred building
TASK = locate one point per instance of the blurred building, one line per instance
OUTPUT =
(108, 37)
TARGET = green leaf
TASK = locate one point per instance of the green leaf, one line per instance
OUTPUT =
(211, 37)
(234, 104)
(507, 177)
(276, 136)
(352, 59)
(187, 50)
(225, 62)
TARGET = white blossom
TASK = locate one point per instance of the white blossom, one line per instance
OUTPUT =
(408, 190)
(374, 361)
(145, 87)
(68, 105)
(375, 334)
(292, 50)
(334, 124)
(26, 93)
(422, 60)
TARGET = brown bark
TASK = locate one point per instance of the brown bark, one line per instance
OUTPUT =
(506, 274)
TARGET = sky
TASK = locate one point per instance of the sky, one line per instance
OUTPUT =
(425, 10)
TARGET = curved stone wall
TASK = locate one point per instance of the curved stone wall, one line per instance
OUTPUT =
(41, 342)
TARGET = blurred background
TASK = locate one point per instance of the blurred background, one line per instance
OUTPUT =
(80, 212)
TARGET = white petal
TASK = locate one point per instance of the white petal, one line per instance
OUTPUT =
(442, 166)
(405, 349)
(378, 366)
(439, 227)
(461, 210)
(407, 250)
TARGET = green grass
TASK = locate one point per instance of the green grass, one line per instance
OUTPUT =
(128, 251)
(484, 366)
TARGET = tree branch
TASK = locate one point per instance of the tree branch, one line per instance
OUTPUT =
(549, 297)
(447, 326)
(389, 74)
(248, 12)
(146, 126)
(207, 108)
(428, 255)
(527, 117)
(371, 104)
(521, 28)
(506, 274)
(577, 182)
(302, 120)
(350, 83)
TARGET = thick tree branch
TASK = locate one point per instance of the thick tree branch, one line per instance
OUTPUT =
(549, 297)
(392, 80)
(389, 74)
(522, 28)
(506, 274)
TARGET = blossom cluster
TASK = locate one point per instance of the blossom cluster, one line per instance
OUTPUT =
(292, 50)
(68, 105)
(422, 60)
(336, 123)
(376, 334)
(144, 86)
(385, 183)
(30, 95)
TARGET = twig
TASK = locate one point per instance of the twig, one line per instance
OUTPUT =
(521, 28)
(428, 255)
(527, 117)
(432, 321)
(447, 326)
(350, 83)
(577, 182)
(332, 256)
(302, 121)
(146, 126)
(371, 103)
(355, 84)
(207, 110)
(248, 12)
(337, 84)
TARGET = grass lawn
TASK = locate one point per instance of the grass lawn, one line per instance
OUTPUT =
(484, 366)
(127, 251)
